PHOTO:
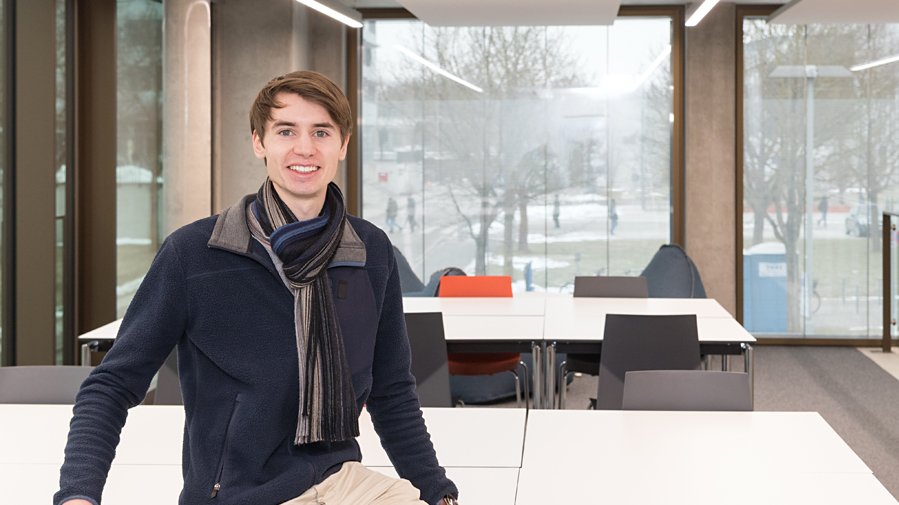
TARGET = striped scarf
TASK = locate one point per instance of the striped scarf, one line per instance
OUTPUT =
(302, 251)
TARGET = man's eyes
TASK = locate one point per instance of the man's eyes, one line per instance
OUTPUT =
(285, 133)
(320, 133)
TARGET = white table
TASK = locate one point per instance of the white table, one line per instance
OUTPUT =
(480, 447)
(637, 457)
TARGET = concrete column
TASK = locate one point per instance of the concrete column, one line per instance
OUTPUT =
(711, 176)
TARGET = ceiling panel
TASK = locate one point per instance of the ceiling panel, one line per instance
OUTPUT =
(801, 12)
(513, 12)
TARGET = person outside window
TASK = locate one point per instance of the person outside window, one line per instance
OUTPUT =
(410, 213)
(287, 316)
(823, 204)
(392, 210)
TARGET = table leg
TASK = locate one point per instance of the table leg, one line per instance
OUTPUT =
(725, 362)
(550, 374)
(748, 368)
(537, 354)
(86, 352)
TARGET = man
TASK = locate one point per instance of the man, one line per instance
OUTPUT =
(287, 316)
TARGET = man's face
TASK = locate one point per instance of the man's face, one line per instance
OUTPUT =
(301, 149)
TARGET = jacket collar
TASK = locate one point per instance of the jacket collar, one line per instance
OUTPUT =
(232, 234)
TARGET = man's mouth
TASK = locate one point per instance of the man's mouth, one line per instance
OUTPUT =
(304, 169)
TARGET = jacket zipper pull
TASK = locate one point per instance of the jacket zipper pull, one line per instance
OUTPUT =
(215, 489)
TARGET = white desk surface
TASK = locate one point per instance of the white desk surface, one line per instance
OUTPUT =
(650, 443)
(106, 332)
(474, 306)
(693, 488)
(126, 484)
(591, 328)
(475, 437)
(36, 434)
(492, 328)
(566, 307)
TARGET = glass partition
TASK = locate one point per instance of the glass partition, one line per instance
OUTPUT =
(536, 152)
(138, 142)
(821, 161)
(4, 159)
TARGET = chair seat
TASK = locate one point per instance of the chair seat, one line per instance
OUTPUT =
(583, 363)
(487, 363)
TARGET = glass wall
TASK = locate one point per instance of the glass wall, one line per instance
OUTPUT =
(138, 142)
(537, 152)
(61, 150)
(4, 159)
(821, 161)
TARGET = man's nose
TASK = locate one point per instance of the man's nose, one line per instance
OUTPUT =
(304, 145)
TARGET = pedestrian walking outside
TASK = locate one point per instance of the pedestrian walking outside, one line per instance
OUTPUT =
(410, 211)
(822, 208)
(556, 211)
(613, 216)
(392, 209)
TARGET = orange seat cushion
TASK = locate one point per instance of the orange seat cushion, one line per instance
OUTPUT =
(497, 286)
(487, 363)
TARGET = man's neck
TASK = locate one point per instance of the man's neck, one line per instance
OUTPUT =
(306, 209)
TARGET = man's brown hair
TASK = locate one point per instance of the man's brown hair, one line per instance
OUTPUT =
(309, 85)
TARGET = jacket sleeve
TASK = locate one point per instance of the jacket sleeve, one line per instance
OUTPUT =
(153, 324)
(393, 403)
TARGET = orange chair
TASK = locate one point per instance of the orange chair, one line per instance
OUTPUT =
(488, 286)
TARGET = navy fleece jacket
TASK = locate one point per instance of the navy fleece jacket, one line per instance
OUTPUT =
(213, 292)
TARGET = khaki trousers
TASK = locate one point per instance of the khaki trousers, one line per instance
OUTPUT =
(354, 484)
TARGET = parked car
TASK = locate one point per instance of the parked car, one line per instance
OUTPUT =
(858, 220)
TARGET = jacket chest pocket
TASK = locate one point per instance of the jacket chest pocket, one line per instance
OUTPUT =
(357, 312)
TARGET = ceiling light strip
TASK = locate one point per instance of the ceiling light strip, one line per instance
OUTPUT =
(436, 68)
(875, 63)
(347, 19)
(700, 12)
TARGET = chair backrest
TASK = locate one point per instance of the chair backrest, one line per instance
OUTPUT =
(640, 342)
(56, 385)
(409, 282)
(672, 274)
(477, 285)
(429, 360)
(610, 287)
(687, 390)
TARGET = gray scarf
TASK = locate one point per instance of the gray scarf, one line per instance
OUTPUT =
(302, 250)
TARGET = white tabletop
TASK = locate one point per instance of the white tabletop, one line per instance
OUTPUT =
(475, 437)
(694, 488)
(592, 328)
(36, 434)
(130, 484)
(492, 328)
(644, 441)
(567, 307)
(106, 332)
(474, 306)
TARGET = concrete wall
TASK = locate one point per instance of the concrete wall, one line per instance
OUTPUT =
(710, 152)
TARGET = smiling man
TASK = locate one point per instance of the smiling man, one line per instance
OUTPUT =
(287, 316)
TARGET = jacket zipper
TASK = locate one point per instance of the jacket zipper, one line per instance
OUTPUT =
(218, 477)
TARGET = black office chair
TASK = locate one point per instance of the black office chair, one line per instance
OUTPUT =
(639, 342)
(600, 287)
(429, 360)
(56, 385)
(687, 390)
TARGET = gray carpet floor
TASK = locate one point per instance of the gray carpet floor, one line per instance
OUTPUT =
(856, 397)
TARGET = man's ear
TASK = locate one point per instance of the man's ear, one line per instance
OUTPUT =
(346, 142)
(258, 146)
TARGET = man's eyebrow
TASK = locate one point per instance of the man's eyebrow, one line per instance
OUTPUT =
(293, 125)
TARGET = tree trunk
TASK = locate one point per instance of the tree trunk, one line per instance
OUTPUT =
(523, 225)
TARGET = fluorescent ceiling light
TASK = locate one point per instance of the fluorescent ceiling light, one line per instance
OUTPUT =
(436, 68)
(335, 10)
(700, 12)
(875, 63)
(656, 63)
